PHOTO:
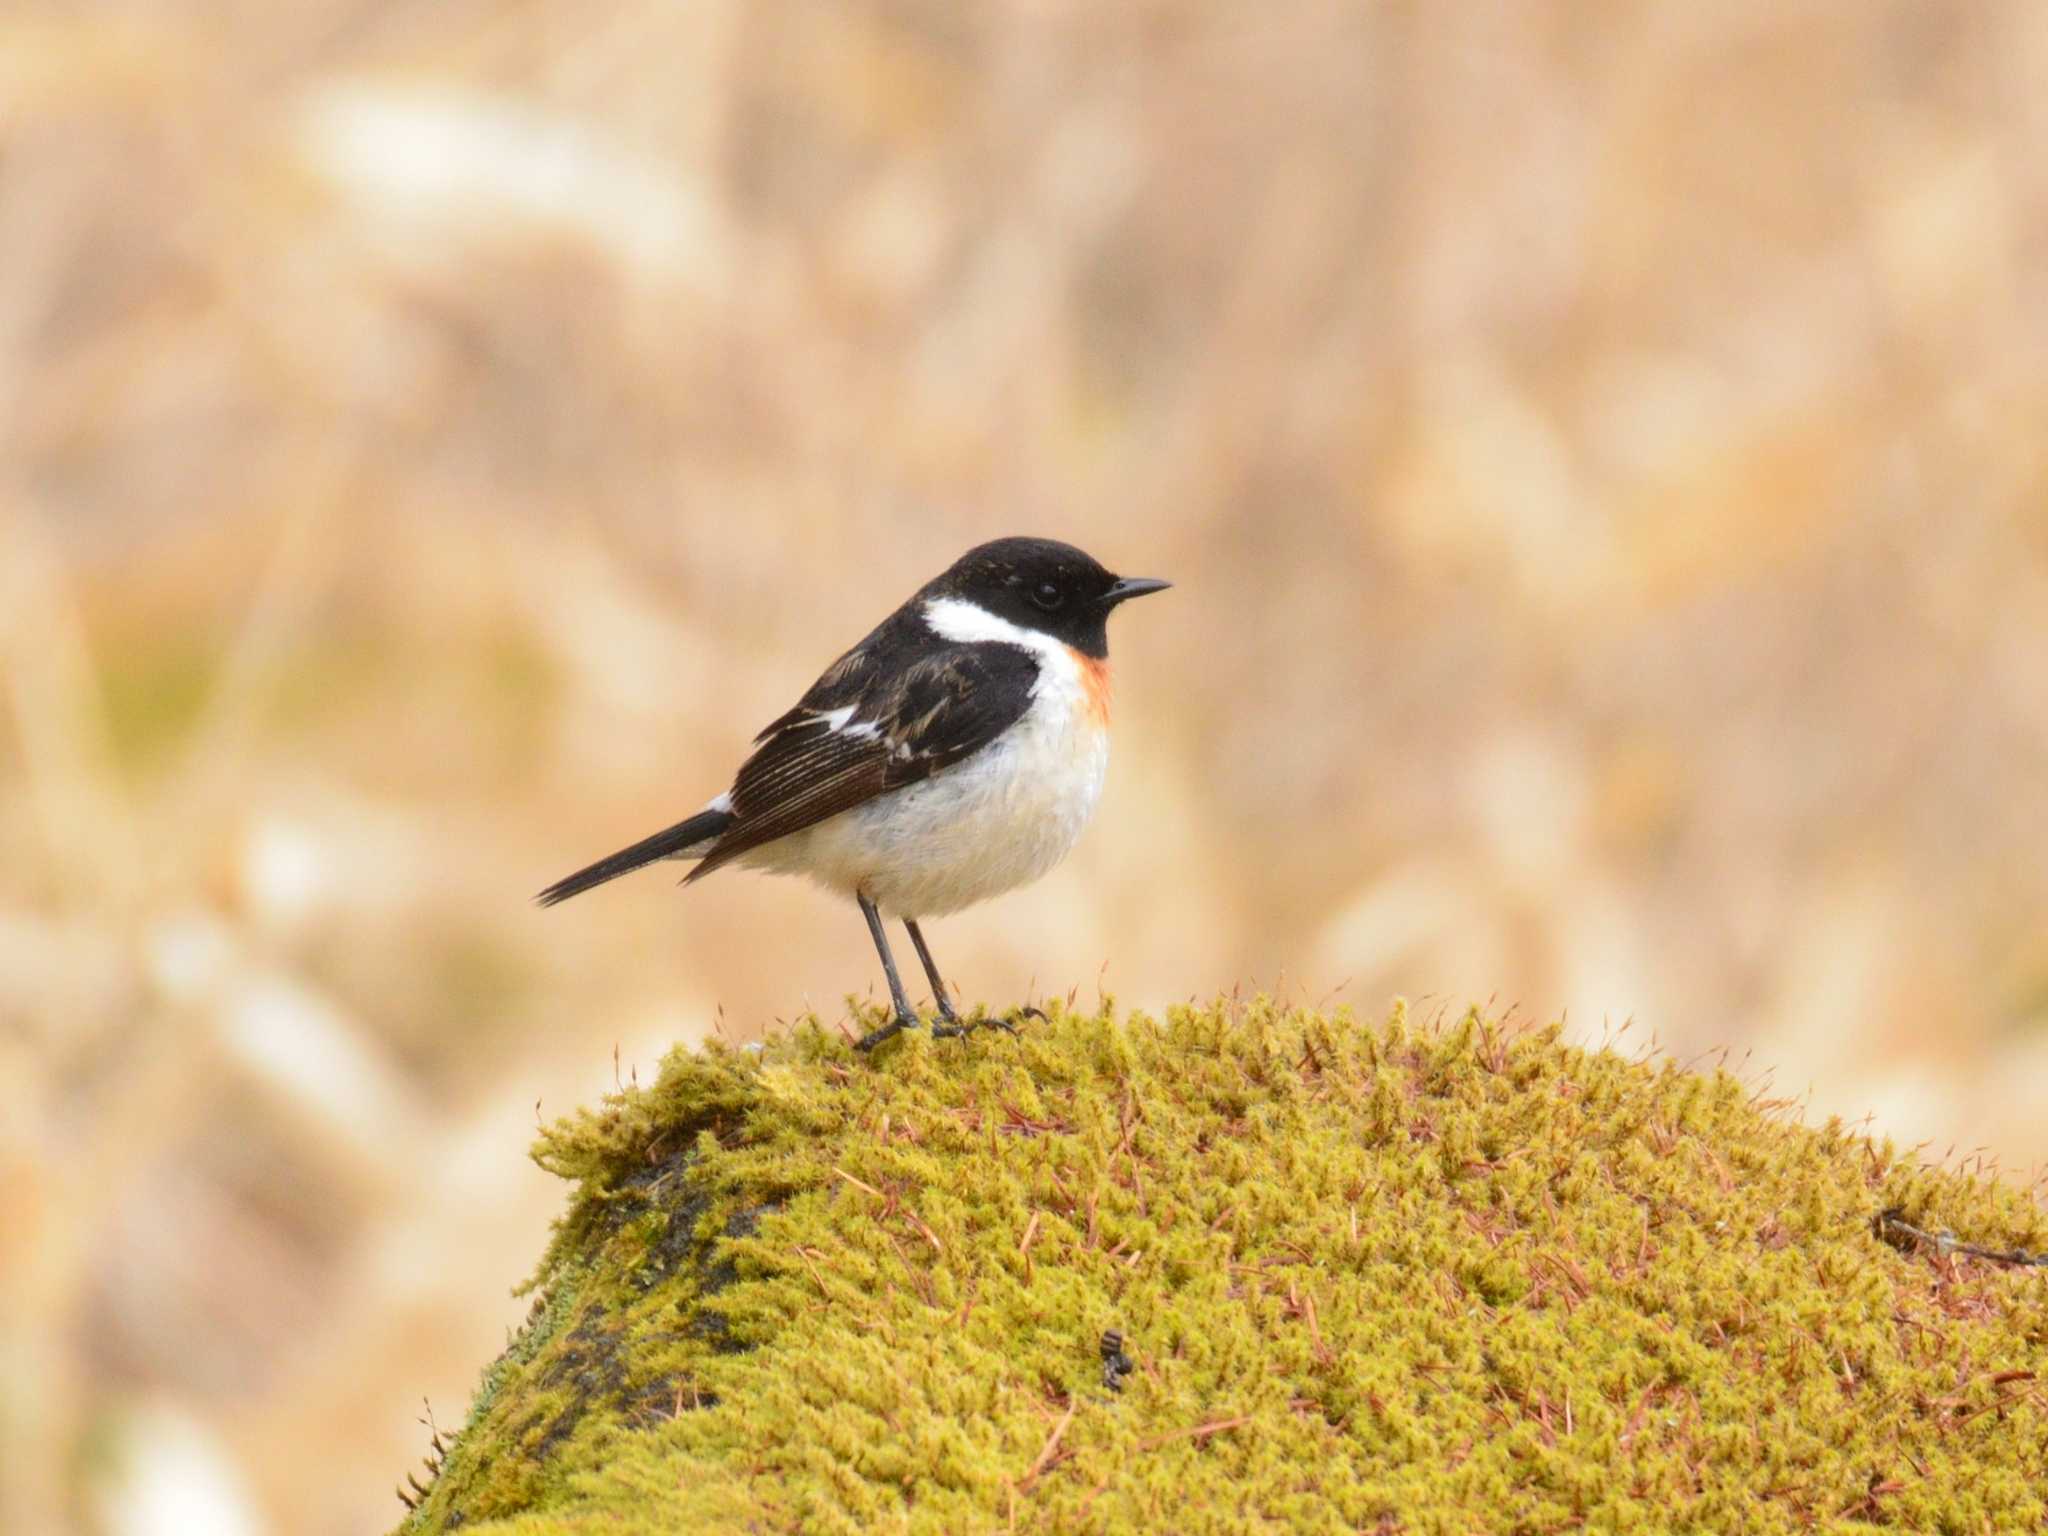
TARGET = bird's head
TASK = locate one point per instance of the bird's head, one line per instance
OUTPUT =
(1043, 585)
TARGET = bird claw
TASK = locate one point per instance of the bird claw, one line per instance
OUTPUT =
(894, 1027)
(956, 1029)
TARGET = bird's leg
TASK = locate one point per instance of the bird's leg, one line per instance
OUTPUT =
(931, 972)
(906, 1016)
(951, 1024)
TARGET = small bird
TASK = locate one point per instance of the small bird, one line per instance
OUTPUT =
(954, 754)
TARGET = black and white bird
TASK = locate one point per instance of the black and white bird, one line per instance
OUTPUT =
(954, 754)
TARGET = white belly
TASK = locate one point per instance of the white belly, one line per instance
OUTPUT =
(988, 824)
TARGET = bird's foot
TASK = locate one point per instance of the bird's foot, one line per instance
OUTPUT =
(954, 1027)
(894, 1027)
(949, 1024)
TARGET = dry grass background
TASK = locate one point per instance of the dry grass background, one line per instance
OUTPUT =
(1599, 448)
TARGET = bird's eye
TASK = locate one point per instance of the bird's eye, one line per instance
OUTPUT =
(1048, 596)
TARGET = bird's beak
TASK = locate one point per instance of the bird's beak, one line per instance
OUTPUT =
(1132, 586)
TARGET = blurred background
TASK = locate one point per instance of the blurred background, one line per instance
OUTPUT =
(1599, 449)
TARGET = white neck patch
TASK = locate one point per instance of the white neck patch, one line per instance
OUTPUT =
(956, 619)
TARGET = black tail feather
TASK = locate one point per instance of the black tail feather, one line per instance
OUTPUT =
(705, 824)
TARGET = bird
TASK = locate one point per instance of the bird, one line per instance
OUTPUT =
(953, 754)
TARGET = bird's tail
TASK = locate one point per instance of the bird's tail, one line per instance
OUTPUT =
(678, 840)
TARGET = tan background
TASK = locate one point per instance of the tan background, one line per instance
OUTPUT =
(1600, 449)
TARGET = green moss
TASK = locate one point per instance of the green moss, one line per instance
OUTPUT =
(1373, 1278)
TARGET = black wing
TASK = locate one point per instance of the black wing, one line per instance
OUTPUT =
(864, 730)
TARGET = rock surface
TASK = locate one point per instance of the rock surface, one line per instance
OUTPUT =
(1366, 1277)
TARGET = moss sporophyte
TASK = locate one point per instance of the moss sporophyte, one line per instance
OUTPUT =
(1365, 1278)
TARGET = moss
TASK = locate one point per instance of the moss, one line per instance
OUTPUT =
(1372, 1278)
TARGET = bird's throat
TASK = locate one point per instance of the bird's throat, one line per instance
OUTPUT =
(1094, 683)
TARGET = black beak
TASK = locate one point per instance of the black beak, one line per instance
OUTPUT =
(1132, 586)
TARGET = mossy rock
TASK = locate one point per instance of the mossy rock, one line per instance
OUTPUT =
(1370, 1278)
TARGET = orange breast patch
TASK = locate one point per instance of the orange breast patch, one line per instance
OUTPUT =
(1095, 680)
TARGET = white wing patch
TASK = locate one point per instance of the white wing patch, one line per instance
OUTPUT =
(840, 722)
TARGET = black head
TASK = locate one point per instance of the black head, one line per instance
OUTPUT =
(1044, 585)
